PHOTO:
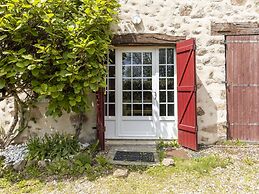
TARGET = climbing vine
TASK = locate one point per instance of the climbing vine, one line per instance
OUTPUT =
(54, 49)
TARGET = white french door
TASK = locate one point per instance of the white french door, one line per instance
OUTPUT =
(137, 92)
(141, 94)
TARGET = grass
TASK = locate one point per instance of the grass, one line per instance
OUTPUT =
(249, 161)
(201, 165)
(233, 143)
(186, 176)
(23, 186)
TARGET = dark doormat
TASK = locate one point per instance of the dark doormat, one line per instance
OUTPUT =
(134, 156)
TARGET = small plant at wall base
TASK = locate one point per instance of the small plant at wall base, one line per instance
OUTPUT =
(59, 155)
(52, 50)
(52, 146)
(161, 145)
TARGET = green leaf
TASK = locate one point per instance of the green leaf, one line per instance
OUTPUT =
(90, 43)
(55, 95)
(78, 98)
(91, 51)
(29, 57)
(3, 37)
(11, 74)
(72, 102)
(21, 51)
(2, 83)
(7, 53)
(18, 27)
(86, 84)
(31, 67)
(34, 82)
(44, 87)
(35, 72)
(3, 73)
(60, 87)
(20, 64)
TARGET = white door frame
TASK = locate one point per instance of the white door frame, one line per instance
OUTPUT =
(157, 119)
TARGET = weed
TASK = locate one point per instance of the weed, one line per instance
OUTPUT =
(101, 160)
(32, 171)
(233, 143)
(83, 158)
(249, 161)
(161, 155)
(201, 165)
(162, 145)
(52, 146)
(137, 168)
(167, 144)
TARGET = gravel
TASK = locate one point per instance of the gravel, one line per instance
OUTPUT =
(240, 176)
(14, 154)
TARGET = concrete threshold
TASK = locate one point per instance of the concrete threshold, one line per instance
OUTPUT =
(131, 142)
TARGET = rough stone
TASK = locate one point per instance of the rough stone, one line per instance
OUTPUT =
(19, 166)
(177, 154)
(83, 146)
(185, 10)
(42, 164)
(198, 14)
(223, 94)
(202, 52)
(121, 173)
(168, 162)
(31, 162)
(35, 113)
(210, 129)
(200, 111)
(238, 2)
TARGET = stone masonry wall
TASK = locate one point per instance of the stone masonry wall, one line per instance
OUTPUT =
(192, 18)
(39, 124)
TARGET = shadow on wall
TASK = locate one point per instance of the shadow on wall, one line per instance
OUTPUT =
(40, 124)
(209, 130)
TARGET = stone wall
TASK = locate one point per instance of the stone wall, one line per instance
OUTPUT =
(39, 124)
(192, 18)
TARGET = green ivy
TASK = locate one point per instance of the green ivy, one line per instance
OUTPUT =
(54, 49)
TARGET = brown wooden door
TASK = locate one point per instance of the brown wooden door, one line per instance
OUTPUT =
(243, 87)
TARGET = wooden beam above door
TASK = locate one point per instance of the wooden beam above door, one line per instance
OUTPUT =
(239, 28)
(146, 39)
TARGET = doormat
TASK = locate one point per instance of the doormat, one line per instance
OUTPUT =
(134, 156)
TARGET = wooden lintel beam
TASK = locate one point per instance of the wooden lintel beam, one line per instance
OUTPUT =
(240, 28)
(147, 39)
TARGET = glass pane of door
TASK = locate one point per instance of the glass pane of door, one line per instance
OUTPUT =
(166, 81)
(137, 83)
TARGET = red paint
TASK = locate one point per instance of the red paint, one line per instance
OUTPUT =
(186, 94)
(100, 125)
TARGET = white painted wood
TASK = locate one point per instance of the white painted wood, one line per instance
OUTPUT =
(141, 127)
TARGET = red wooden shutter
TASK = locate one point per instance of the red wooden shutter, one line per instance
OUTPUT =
(186, 94)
